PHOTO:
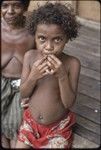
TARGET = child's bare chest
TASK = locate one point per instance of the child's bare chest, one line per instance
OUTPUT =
(46, 91)
(47, 86)
(46, 102)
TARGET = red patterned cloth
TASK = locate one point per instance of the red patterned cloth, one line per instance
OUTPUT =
(56, 135)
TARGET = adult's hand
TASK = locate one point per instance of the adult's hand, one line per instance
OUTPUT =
(25, 103)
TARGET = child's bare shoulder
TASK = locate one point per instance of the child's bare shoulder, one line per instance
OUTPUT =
(31, 53)
(71, 60)
(30, 56)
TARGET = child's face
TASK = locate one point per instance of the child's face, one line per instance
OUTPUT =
(11, 11)
(50, 39)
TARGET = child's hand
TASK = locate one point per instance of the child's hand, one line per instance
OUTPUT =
(39, 69)
(55, 65)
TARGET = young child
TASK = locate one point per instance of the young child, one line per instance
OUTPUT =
(49, 79)
(15, 41)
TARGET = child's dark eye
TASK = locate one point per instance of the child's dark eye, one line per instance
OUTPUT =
(58, 39)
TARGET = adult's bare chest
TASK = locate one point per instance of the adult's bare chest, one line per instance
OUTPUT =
(15, 43)
(13, 49)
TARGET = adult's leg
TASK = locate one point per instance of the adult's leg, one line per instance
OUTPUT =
(12, 143)
(22, 145)
(5, 94)
(5, 142)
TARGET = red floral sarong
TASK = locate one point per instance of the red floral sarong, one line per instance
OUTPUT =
(56, 135)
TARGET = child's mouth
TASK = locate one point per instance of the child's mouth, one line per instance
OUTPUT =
(48, 52)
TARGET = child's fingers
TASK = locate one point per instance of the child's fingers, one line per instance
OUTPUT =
(44, 69)
(50, 64)
(47, 72)
(40, 61)
(51, 60)
(41, 66)
(54, 61)
(53, 57)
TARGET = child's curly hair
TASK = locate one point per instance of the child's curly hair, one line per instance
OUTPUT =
(54, 14)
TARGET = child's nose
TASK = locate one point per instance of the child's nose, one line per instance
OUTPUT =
(49, 46)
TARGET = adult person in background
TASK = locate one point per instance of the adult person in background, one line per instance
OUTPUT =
(15, 41)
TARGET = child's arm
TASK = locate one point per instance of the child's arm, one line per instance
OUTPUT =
(30, 75)
(26, 85)
(68, 79)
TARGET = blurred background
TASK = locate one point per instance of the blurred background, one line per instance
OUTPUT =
(84, 9)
